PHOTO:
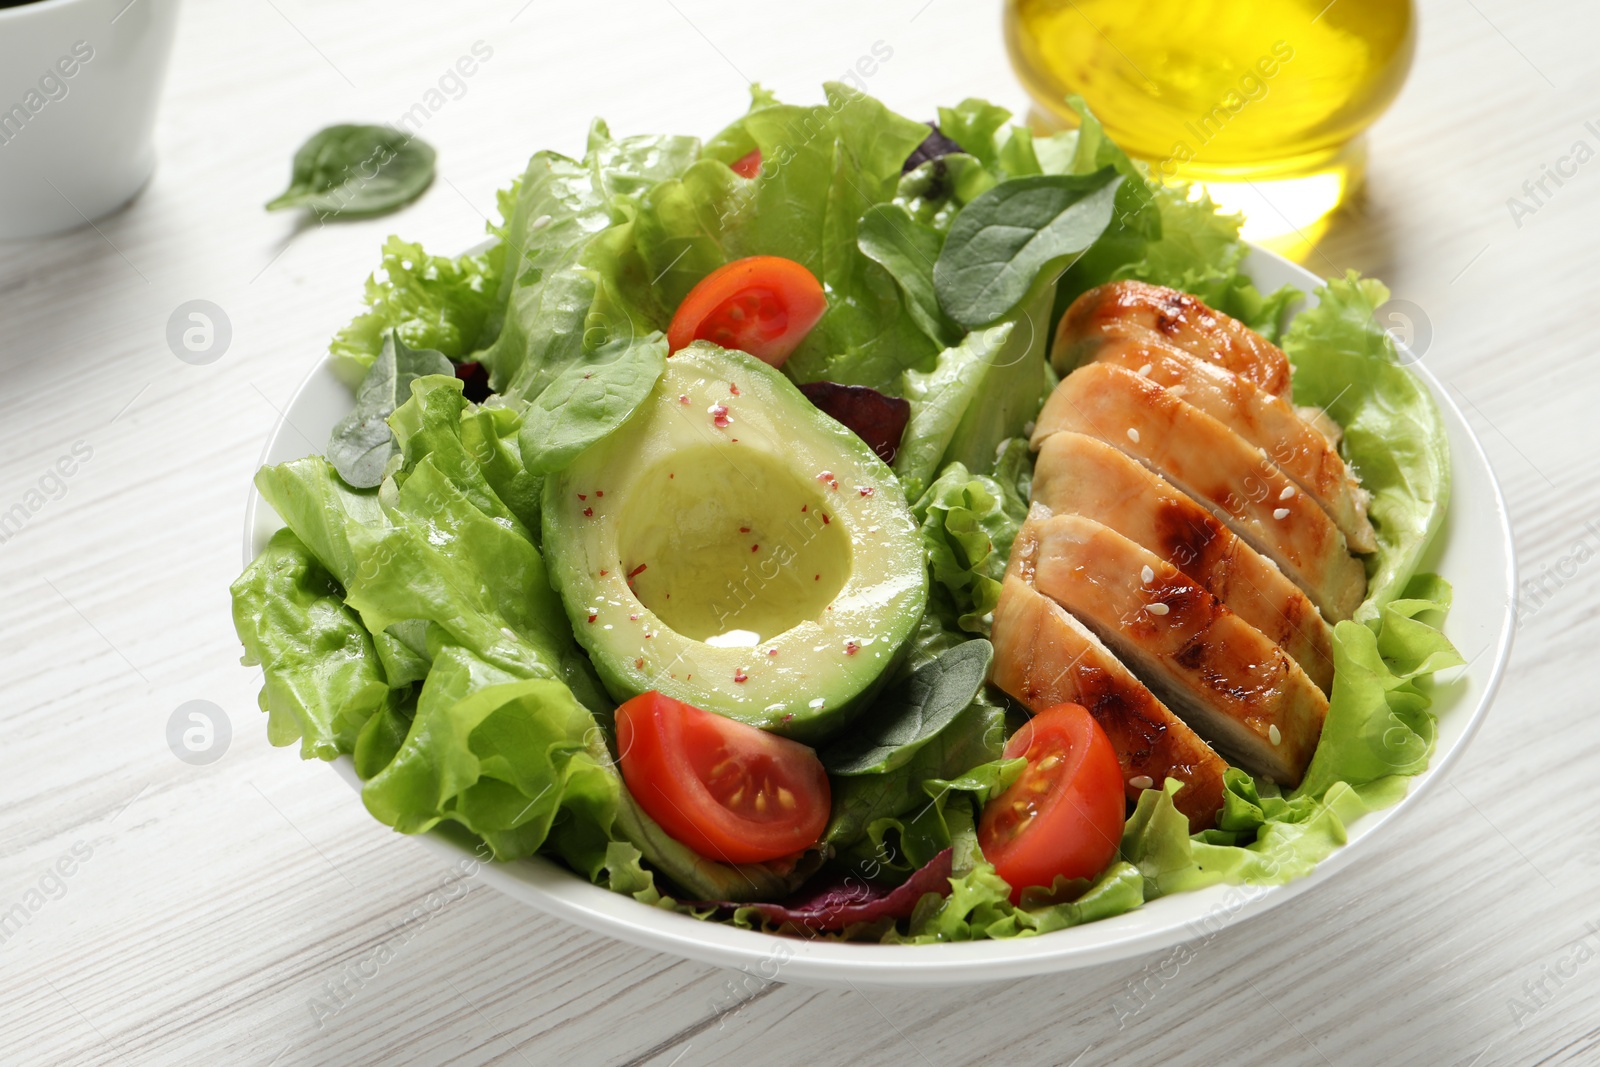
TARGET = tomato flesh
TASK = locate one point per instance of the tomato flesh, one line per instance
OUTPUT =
(763, 305)
(1063, 817)
(748, 166)
(729, 791)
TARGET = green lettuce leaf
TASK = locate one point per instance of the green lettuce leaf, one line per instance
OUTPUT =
(432, 302)
(495, 752)
(321, 679)
(1394, 437)
(968, 524)
(1005, 366)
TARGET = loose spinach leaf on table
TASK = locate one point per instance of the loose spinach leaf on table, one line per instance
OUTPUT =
(357, 171)
(588, 401)
(913, 712)
(362, 441)
(1005, 239)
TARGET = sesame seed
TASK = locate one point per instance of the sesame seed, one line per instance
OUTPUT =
(1143, 781)
(1144, 371)
(1147, 575)
(1287, 494)
(1272, 732)
(1177, 390)
(1159, 609)
(1281, 514)
(1133, 435)
(540, 223)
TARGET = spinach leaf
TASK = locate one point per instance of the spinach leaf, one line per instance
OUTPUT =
(974, 738)
(357, 172)
(589, 401)
(913, 713)
(908, 249)
(362, 441)
(1006, 238)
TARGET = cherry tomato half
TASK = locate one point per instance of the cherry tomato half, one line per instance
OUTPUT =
(1064, 815)
(727, 790)
(748, 166)
(763, 305)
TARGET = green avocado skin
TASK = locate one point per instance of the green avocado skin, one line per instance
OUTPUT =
(603, 611)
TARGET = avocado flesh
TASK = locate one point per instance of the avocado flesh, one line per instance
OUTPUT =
(734, 548)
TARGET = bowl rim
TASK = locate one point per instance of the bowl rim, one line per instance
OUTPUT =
(555, 890)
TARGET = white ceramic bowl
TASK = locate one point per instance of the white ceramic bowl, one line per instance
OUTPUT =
(1474, 552)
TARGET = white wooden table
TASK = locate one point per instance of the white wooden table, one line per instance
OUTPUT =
(211, 911)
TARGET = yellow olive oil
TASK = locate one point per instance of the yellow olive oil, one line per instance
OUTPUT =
(1221, 91)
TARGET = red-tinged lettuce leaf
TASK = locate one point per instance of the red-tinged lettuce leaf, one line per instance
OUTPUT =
(846, 901)
(878, 420)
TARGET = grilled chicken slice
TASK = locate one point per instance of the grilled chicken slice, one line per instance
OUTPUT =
(1265, 420)
(1221, 675)
(1080, 475)
(1044, 657)
(1153, 314)
(1211, 463)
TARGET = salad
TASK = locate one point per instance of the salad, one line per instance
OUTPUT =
(865, 528)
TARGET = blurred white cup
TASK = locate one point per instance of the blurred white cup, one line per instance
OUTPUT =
(79, 83)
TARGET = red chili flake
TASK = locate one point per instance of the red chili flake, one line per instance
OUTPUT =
(816, 577)
(683, 400)
(867, 490)
(827, 478)
(719, 416)
(582, 496)
(804, 507)
(638, 664)
(744, 529)
(789, 716)
(671, 475)
(603, 573)
(825, 519)
(636, 572)
(598, 493)
(772, 652)
(593, 616)
(851, 648)
(739, 675)
(755, 548)
(733, 388)
(588, 513)
(633, 618)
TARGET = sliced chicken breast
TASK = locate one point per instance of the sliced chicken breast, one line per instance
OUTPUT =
(1214, 465)
(1221, 675)
(1080, 475)
(1153, 314)
(1262, 418)
(1044, 657)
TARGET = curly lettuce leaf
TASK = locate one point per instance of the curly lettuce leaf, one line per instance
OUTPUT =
(432, 302)
(498, 753)
(321, 677)
(968, 524)
(1394, 437)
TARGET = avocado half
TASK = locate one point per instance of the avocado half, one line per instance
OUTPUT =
(734, 548)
